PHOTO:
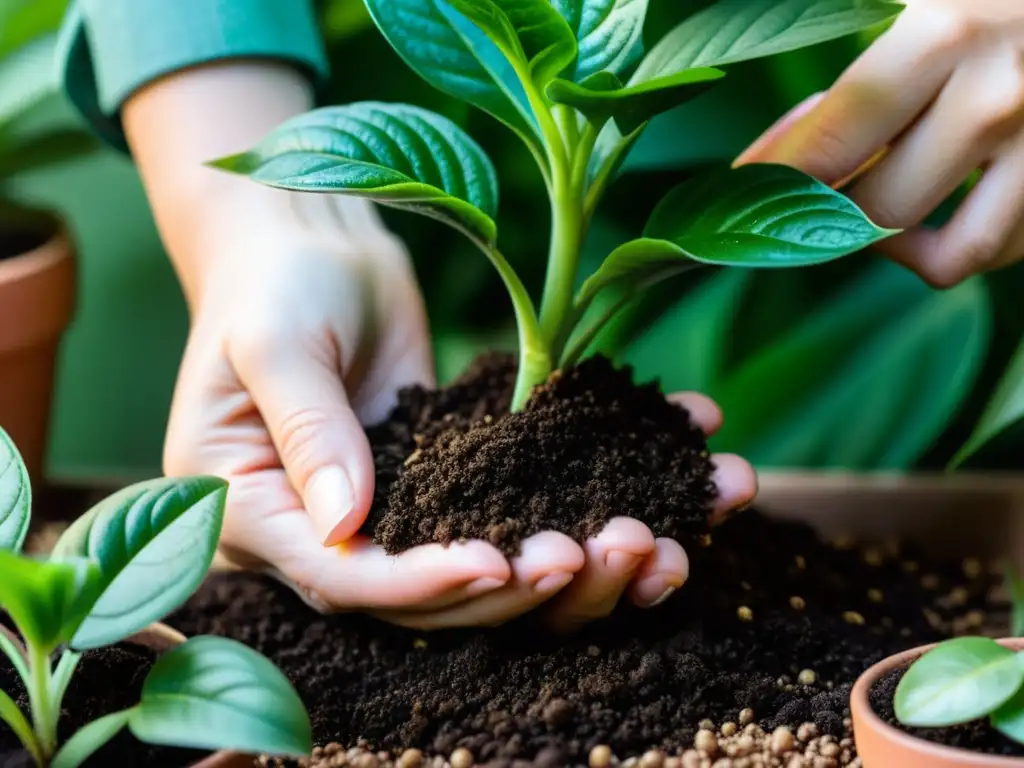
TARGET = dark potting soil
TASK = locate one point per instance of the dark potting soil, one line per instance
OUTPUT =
(106, 680)
(977, 736)
(16, 242)
(453, 464)
(765, 601)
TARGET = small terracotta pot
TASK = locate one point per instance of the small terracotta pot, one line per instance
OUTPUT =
(37, 300)
(161, 638)
(881, 745)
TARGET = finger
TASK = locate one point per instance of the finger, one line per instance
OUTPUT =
(736, 481)
(778, 128)
(613, 557)
(298, 390)
(982, 235)
(876, 98)
(980, 108)
(355, 574)
(547, 564)
(704, 412)
(662, 573)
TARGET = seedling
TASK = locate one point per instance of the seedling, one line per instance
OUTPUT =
(574, 81)
(968, 678)
(125, 564)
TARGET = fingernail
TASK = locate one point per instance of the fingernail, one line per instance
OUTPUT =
(480, 586)
(553, 583)
(329, 500)
(664, 596)
(623, 562)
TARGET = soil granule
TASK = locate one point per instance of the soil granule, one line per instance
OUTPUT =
(977, 736)
(453, 464)
(636, 681)
(105, 681)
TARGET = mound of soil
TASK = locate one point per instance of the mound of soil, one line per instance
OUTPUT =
(454, 464)
(106, 681)
(977, 736)
(765, 603)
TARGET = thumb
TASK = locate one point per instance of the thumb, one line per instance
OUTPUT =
(320, 441)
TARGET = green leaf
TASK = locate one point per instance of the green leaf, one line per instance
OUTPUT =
(958, 681)
(215, 693)
(395, 154)
(867, 383)
(45, 149)
(89, 738)
(15, 496)
(751, 216)
(609, 33)
(1009, 718)
(154, 543)
(602, 96)
(47, 600)
(12, 648)
(732, 31)
(16, 720)
(1004, 410)
(548, 43)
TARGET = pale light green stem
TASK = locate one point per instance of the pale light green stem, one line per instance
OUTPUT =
(579, 348)
(563, 260)
(44, 716)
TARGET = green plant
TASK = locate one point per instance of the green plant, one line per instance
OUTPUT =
(31, 136)
(126, 563)
(571, 79)
(968, 678)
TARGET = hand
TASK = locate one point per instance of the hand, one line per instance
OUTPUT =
(307, 327)
(937, 96)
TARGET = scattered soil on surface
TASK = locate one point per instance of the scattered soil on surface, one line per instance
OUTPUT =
(106, 680)
(453, 464)
(772, 620)
(977, 736)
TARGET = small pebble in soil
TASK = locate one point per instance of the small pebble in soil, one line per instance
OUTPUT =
(600, 756)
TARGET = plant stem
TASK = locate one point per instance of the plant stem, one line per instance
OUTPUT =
(44, 718)
(563, 259)
(573, 355)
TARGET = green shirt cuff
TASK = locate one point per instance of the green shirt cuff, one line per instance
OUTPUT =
(110, 48)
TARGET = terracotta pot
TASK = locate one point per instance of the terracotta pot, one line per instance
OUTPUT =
(37, 300)
(161, 638)
(881, 745)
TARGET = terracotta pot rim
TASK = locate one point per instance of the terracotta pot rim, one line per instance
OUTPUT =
(865, 716)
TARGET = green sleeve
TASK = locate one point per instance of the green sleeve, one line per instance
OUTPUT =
(110, 48)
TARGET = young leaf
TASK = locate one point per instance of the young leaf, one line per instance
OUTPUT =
(1004, 410)
(732, 31)
(1009, 718)
(154, 543)
(89, 738)
(958, 681)
(603, 95)
(15, 719)
(610, 34)
(215, 693)
(47, 600)
(751, 216)
(15, 496)
(548, 43)
(396, 154)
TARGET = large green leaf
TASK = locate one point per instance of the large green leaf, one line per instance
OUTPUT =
(751, 216)
(47, 599)
(866, 383)
(396, 154)
(1005, 409)
(609, 33)
(473, 50)
(25, 21)
(15, 496)
(215, 693)
(154, 543)
(603, 96)
(732, 31)
(958, 681)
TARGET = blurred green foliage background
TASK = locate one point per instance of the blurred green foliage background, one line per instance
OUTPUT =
(856, 364)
